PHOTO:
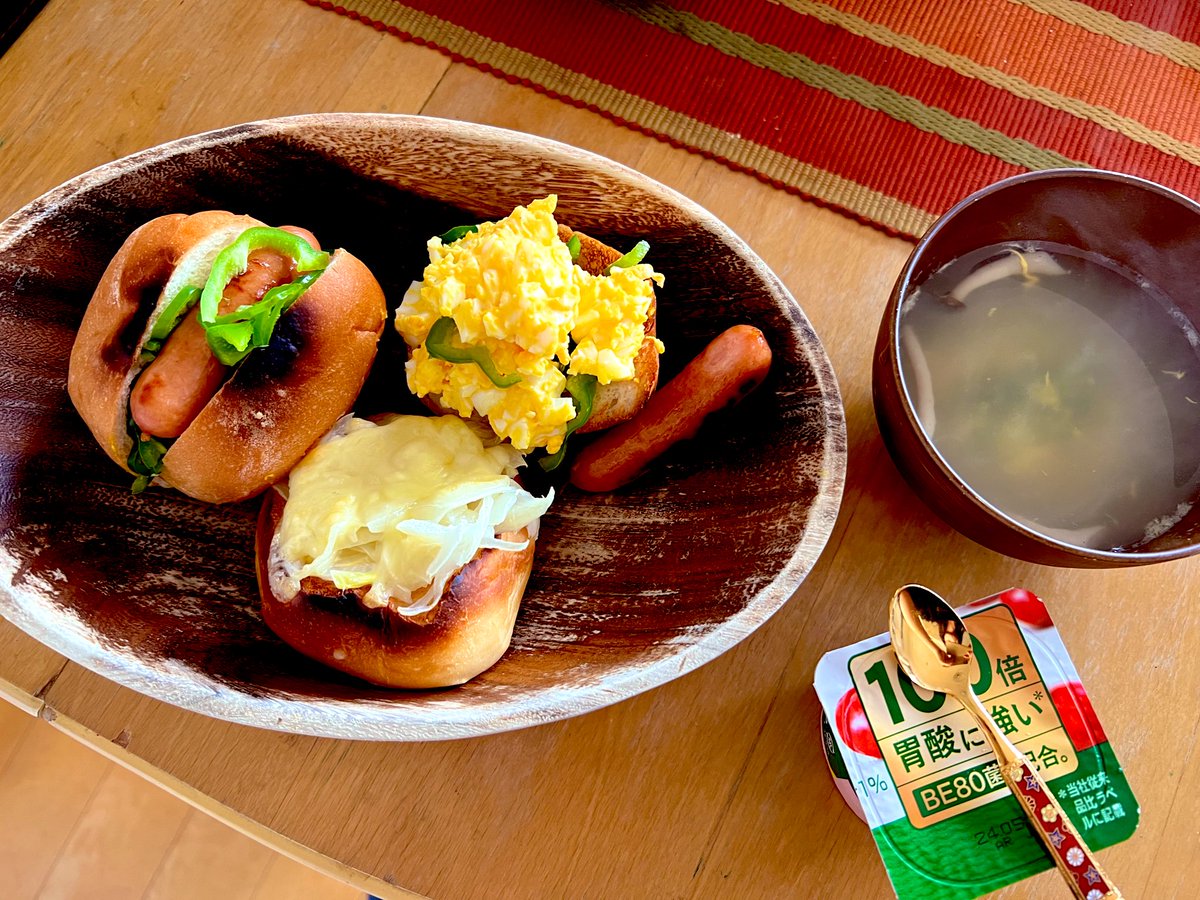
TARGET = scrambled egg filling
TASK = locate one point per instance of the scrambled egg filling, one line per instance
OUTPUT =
(512, 288)
(399, 508)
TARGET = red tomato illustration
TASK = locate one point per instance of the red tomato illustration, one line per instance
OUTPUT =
(1078, 717)
(1027, 607)
(853, 727)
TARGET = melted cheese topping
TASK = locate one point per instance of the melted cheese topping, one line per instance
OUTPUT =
(512, 288)
(398, 507)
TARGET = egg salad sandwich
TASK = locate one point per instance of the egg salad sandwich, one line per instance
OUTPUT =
(536, 329)
(398, 550)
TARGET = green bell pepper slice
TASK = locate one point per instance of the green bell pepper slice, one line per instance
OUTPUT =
(458, 231)
(172, 314)
(146, 456)
(632, 258)
(574, 245)
(233, 335)
(440, 345)
(582, 389)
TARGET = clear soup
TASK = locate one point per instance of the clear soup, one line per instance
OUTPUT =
(1062, 388)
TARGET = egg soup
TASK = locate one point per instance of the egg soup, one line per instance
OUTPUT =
(1062, 388)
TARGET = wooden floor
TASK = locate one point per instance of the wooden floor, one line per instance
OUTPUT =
(74, 825)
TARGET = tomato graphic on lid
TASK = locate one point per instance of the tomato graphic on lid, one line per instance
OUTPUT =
(1026, 607)
(853, 727)
(1078, 717)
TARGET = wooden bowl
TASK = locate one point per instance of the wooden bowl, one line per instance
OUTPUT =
(629, 590)
(1145, 228)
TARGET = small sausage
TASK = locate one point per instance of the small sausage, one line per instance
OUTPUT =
(178, 383)
(302, 232)
(185, 375)
(264, 270)
(730, 367)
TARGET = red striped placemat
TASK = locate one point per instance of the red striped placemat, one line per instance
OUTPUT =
(888, 110)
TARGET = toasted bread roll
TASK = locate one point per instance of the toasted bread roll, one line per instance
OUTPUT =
(468, 631)
(401, 552)
(271, 407)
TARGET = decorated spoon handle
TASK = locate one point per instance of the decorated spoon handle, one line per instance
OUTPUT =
(1075, 861)
(1072, 856)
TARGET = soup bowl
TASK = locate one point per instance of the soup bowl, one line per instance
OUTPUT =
(1149, 233)
(629, 590)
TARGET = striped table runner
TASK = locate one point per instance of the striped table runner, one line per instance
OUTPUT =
(887, 110)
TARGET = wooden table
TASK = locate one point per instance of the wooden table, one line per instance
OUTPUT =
(711, 786)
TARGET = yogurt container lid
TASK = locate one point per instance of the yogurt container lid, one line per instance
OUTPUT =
(914, 766)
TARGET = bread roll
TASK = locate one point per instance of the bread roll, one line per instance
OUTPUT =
(464, 635)
(273, 406)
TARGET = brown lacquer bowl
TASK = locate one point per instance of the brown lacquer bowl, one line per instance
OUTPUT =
(1146, 229)
(629, 590)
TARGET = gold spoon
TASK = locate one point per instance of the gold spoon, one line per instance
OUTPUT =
(934, 650)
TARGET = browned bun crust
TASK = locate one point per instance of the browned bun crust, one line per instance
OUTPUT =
(467, 633)
(283, 398)
(619, 400)
(274, 406)
(99, 374)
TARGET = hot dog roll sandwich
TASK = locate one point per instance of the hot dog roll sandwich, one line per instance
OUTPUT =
(536, 329)
(216, 351)
(398, 550)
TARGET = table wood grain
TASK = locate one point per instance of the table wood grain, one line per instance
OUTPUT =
(711, 786)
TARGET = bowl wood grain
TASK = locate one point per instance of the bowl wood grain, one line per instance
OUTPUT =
(629, 590)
